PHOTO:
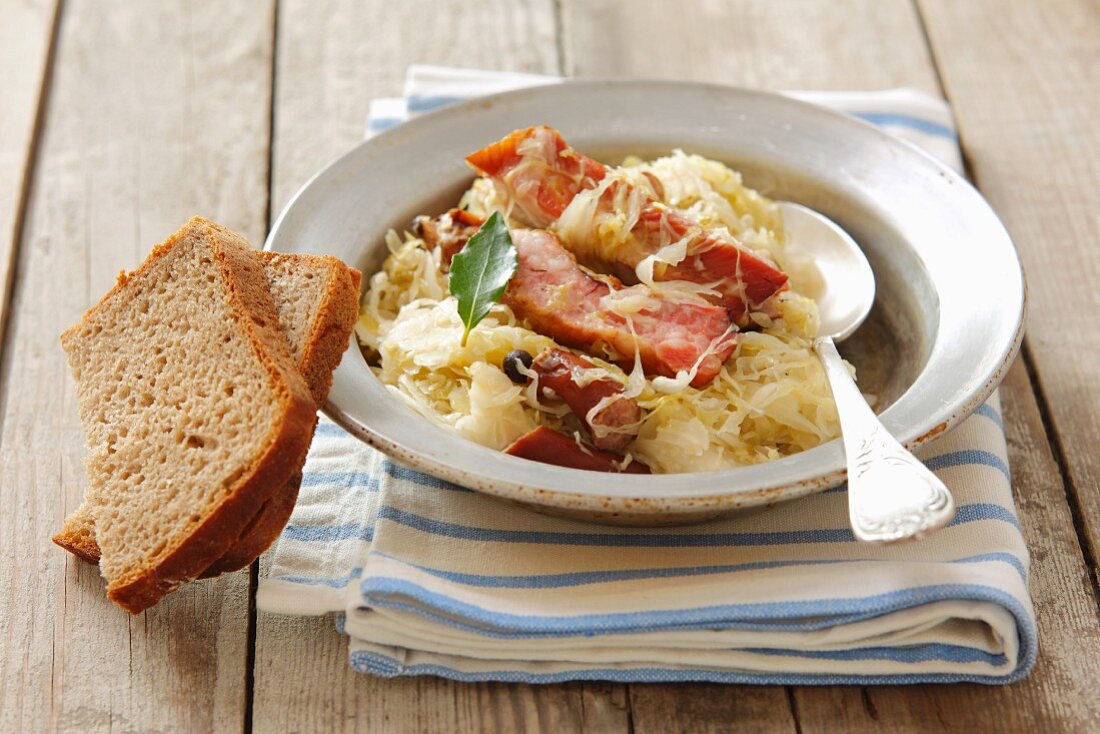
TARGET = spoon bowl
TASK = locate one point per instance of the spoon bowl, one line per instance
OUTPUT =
(813, 237)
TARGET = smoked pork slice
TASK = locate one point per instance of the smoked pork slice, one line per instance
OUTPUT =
(572, 306)
(539, 176)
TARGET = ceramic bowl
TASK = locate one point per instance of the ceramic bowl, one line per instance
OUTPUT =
(944, 329)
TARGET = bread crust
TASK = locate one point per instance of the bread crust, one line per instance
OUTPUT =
(287, 442)
(329, 340)
(78, 536)
(264, 529)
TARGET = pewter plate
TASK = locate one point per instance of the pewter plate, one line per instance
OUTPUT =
(945, 326)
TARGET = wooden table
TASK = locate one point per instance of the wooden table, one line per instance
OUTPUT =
(120, 120)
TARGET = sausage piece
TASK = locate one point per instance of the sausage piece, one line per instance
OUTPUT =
(567, 303)
(548, 446)
(563, 372)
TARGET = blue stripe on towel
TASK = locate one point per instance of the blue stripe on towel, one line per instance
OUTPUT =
(582, 578)
(403, 472)
(365, 481)
(655, 540)
(336, 583)
(417, 103)
(329, 533)
(902, 654)
(964, 514)
(968, 457)
(425, 103)
(984, 511)
(789, 616)
(369, 482)
(331, 430)
(459, 622)
(913, 123)
(985, 410)
(548, 581)
(378, 124)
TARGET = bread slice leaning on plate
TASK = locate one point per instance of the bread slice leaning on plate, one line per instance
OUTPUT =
(316, 301)
(193, 409)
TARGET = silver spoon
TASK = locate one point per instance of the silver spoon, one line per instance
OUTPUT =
(891, 494)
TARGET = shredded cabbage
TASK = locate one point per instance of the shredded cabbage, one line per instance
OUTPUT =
(769, 400)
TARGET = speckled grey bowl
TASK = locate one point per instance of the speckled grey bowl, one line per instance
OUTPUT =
(945, 327)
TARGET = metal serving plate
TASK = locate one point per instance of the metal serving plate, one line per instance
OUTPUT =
(946, 324)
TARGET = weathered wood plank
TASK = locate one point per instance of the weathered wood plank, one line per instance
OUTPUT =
(697, 707)
(336, 56)
(333, 58)
(26, 37)
(304, 683)
(1013, 122)
(806, 45)
(157, 111)
(796, 46)
(1023, 80)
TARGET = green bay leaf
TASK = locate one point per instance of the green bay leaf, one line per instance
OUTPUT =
(481, 270)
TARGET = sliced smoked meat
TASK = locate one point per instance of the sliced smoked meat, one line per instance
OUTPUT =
(548, 446)
(540, 176)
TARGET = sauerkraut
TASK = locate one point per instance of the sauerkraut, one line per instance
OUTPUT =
(770, 399)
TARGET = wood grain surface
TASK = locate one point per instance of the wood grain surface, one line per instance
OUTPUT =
(335, 56)
(121, 121)
(1059, 695)
(1023, 79)
(854, 44)
(157, 111)
(26, 40)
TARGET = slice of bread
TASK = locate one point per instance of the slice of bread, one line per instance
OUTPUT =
(193, 409)
(318, 303)
(316, 300)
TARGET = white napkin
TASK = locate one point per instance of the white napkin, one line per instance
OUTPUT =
(430, 578)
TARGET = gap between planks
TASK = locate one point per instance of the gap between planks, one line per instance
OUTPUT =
(123, 88)
(29, 164)
(1077, 512)
(891, 31)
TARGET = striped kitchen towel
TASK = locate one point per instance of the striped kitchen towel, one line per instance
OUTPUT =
(427, 578)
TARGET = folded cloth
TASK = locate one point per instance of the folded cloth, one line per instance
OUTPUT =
(430, 578)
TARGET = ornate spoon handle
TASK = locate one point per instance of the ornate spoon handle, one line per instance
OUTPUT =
(891, 494)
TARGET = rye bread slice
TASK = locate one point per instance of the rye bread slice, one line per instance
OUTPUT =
(193, 409)
(318, 304)
(316, 300)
